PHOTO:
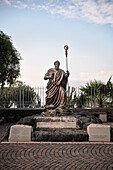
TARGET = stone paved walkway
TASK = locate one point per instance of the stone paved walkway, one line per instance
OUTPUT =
(56, 156)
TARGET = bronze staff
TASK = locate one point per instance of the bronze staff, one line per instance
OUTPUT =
(66, 53)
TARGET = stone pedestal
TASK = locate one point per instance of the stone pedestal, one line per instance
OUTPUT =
(20, 133)
(41, 125)
(98, 133)
(58, 128)
(61, 135)
(103, 117)
(56, 122)
(65, 111)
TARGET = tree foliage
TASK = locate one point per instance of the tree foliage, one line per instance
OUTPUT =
(9, 61)
(94, 93)
(101, 93)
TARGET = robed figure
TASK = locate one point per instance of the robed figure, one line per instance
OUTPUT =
(56, 87)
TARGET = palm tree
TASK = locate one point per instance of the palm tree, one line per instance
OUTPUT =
(98, 92)
(109, 86)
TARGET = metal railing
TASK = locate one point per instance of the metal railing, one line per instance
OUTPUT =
(91, 97)
(27, 97)
(22, 97)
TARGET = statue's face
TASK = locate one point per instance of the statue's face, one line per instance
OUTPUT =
(56, 66)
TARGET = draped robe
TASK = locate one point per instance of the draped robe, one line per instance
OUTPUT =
(56, 88)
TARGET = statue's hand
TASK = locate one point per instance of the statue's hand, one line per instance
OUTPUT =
(67, 74)
(51, 76)
(46, 77)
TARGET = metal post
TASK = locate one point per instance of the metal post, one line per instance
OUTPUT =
(0, 97)
(112, 92)
(20, 96)
(23, 97)
(12, 95)
(6, 102)
(28, 96)
(91, 97)
(94, 97)
(33, 97)
(88, 97)
(17, 97)
(40, 96)
(43, 96)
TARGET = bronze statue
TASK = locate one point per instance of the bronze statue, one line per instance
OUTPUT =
(56, 87)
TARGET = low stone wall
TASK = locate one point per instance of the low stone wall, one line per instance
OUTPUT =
(14, 114)
(97, 111)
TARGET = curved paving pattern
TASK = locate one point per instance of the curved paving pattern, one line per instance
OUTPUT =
(56, 156)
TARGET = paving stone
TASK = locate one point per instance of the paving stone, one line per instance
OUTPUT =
(98, 132)
(20, 133)
(53, 156)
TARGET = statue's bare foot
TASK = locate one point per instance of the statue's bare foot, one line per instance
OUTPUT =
(50, 106)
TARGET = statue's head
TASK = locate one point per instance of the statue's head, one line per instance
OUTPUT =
(57, 64)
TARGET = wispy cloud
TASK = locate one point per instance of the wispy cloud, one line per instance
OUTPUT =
(17, 4)
(87, 76)
(96, 11)
(7, 2)
(83, 77)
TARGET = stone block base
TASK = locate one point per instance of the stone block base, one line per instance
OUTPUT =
(20, 133)
(103, 117)
(99, 133)
(53, 125)
(60, 135)
(56, 122)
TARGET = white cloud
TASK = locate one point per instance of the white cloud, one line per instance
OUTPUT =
(16, 4)
(83, 77)
(7, 2)
(96, 11)
(19, 4)
(90, 76)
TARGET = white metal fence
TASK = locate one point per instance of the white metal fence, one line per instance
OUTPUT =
(21, 97)
(27, 97)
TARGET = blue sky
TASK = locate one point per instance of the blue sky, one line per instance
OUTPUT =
(40, 29)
